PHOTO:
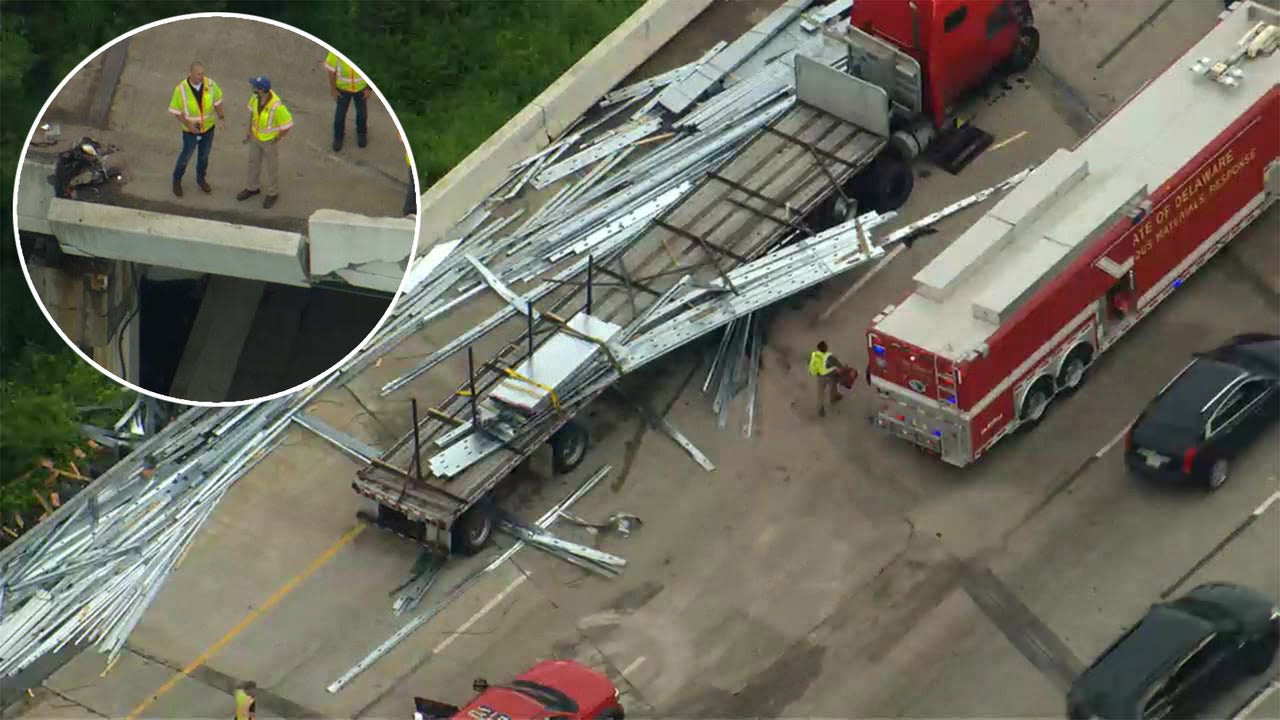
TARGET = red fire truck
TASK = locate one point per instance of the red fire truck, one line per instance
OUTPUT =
(560, 689)
(1012, 313)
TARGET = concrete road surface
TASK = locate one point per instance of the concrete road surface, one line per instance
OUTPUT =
(821, 570)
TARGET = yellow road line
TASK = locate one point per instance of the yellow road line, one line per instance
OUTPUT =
(248, 619)
(1002, 143)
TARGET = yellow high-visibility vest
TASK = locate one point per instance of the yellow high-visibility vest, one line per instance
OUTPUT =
(243, 704)
(270, 119)
(818, 363)
(348, 80)
(201, 114)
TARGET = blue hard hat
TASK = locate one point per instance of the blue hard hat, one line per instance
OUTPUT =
(261, 82)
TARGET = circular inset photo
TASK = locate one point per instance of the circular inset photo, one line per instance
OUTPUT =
(216, 209)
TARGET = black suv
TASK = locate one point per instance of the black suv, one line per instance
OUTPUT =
(1180, 656)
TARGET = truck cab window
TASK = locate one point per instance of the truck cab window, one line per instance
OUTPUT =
(954, 18)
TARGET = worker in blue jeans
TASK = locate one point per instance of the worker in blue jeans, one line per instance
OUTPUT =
(346, 86)
(196, 103)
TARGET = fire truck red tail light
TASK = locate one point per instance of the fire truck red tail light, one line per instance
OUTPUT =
(1188, 458)
(901, 418)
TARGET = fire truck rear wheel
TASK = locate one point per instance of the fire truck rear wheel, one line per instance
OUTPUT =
(614, 713)
(569, 448)
(474, 529)
(1073, 369)
(1036, 402)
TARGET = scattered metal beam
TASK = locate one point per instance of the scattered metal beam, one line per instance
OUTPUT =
(454, 593)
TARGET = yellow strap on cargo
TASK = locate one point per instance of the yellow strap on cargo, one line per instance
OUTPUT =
(551, 393)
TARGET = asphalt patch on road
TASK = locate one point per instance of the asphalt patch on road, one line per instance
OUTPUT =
(1066, 100)
(768, 693)
(637, 597)
(1249, 273)
(1024, 630)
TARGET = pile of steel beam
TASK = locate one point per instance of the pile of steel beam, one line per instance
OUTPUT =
(87, 573)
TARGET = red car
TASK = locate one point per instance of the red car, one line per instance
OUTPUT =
(550, 690)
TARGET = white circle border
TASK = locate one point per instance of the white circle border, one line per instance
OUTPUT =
(391, 306)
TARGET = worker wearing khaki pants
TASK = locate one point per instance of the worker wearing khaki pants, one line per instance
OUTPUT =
(269, 122)
(823, 366)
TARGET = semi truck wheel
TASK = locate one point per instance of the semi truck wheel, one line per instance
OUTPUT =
(474, 529)
(568, 448)
(1024, 53)
(615, 713)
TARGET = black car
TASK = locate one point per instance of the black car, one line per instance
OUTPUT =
(1180, 656)
(1208, 413)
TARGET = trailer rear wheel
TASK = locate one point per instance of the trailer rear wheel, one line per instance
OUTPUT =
(1024, 53)
(885, 185)
(473, 531)
(569, 448)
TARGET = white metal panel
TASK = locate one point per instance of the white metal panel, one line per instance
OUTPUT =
(1025, 204)
(1026, 262)
(975, 247)
(840, 94)
(552, 363)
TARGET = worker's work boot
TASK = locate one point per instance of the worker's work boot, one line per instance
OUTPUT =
(246, 194)
(204, 186)
(177, 188)
(269, 201)
(362, 141)
(337, 144)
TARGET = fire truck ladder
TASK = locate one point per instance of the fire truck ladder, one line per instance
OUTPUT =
(944, 382)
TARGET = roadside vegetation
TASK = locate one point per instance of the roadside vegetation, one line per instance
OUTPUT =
(454, 71)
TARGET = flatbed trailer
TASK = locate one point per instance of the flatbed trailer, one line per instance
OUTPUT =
(728, 211)
(1013, 313)
(808, 169)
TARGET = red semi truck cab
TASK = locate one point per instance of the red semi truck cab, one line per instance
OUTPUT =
(957, 43)
(1012, 314)
(550, 690)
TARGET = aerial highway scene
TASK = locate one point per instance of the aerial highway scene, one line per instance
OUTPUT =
(912, 359)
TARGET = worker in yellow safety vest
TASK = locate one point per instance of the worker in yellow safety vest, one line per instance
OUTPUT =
(269, 122)
(822, 366)
(197, 104)
(246, 703)
(346, 85)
